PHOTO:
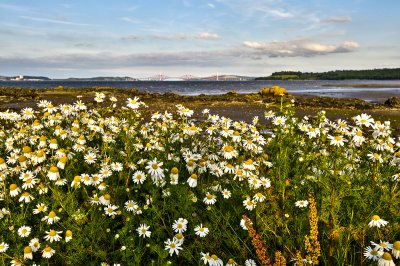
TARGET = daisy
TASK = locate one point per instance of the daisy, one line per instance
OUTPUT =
(375, 157)
(133, 103)
(51, 218)
(24, 231)
(249, 204)
(28, 253)
(90, 158)
(48, 252)
(95, 200)
(396, 249)
(61, 163)
(139, 177)
(226, 193)
(53, 173)
(249, 165)
(116, 166)
(377, 222)
(155, 171)
(14, 190)
(106, 199)
(53, 144)
(266, 182)
(41, 207)
(172, 246)
(192, 180)
(26, 197)
(250, 262)
(259, 197)
(143, 230)
(228, 152)
(16, 262)
(174, 176)
(29, 183)
(206, 258)
(231, 262)
(53, 235)
(210, 199)
(386, 260)
(68, 235)
(34, 244)
(76, 182)
(301, 203)
(201, 231)
(372, 254)
(110, 210)
(382, 246)
(337, 140)
(131, 206)
(364, 120)
(180, 225)
(3, 247)
(279, 120)
(87, 179)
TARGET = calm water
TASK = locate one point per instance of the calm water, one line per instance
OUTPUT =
(382, 92)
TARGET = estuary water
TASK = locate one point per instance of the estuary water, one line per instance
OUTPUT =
(368, 90)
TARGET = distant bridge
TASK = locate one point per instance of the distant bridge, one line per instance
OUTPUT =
(162, 77)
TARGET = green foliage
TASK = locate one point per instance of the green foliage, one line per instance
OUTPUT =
(377, 74)
(128, 182)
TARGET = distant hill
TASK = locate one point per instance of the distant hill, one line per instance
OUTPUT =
(377, 74)
(5, 78)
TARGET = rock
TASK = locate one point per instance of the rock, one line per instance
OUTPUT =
(393, 102)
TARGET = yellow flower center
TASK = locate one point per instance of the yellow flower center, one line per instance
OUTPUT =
(179, 236)
(228, 148)
(396, 245)
(210, 196)
(174, 171)
(359, 133)
(77, 179)
(68, 233)
(374, 252)
(383, 245)
(47, 249)
(249, 162)
(53, 169)
(172, 245)
(52, 233)
(214, 257)
(26, 149)
(386, 256)
(41, 208)
(63, 159)
(376, 218)
(52, 214)
(13, 187)
(154, 166)
(338, 138)
(26, 194)
(22, 158)
(193, 176)
(53, 141)
(107, 197)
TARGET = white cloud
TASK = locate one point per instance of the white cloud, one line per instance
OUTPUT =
(206, 35)
(339, 19)
(55, 21)
(130, 20)
(299, 47)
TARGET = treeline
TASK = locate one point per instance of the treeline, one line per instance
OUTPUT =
(379, 74)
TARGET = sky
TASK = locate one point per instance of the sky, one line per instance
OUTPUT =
(142, 38)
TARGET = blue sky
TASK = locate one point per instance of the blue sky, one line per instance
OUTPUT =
(87, 38)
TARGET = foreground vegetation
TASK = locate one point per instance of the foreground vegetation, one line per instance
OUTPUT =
(103, 186)
(376, 74)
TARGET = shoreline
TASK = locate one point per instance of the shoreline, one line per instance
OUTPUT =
(233, 105)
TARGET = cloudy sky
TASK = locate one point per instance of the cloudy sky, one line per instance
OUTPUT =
(141, 38)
